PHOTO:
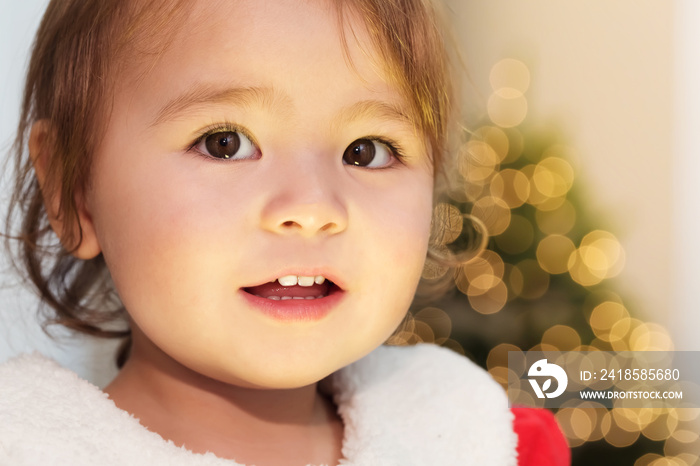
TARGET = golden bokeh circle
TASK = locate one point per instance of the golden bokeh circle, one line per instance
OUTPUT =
(507, 109)
(539, 196)
(581, 424)
(553, 177)
(551, 203)
(493, 212)
(498, 356)
(553, 253)
(501, 375)
(437, 319)
(480, 274)
(562, 151)
(561, 337)
(661, 427)
(647, 459)
(688, 413)
(454, 345)
(609, 321)
(619, 331)
(510, 73)
(682, 436)
(491, 301)
(633, 419)
(473, 191)
(602, 254)
(650, 336)
(496, 138)
(579, 272)
(482, 284)
(523, 397)
(424, 331)
(512, 186)
(684, 459)
(576, 425)
(616, 435)
(478, 162)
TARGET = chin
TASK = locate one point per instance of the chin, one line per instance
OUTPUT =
(271, 376)
(284, 380)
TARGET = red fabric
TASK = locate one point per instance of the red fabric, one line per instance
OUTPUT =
(540, 441)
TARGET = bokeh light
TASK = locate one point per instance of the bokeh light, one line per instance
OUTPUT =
(512, 186)
(553, 253)
(507, 110)
(560, 338)
(507, 107)
(557, 221)
(494, 212)
(545, 281)
(510, 76)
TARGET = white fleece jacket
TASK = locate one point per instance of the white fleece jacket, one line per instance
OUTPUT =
(401, 406)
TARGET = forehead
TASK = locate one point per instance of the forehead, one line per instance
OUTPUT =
(290, 46)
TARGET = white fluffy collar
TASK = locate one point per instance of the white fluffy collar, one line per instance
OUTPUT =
(421, 405)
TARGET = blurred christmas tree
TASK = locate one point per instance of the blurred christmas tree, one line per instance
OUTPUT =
(543, 281)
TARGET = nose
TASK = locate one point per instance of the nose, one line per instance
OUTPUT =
(307, 200)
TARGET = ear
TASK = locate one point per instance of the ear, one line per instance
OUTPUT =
(40, 152)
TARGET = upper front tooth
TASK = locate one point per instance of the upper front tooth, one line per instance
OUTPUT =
(306, 281)
(288, 280)
(291, 280)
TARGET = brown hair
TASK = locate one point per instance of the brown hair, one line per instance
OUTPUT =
(411, 46)
(78, 46)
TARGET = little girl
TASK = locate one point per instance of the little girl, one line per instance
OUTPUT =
(254, 179)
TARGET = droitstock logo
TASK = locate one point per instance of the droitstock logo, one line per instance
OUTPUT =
(541, 369)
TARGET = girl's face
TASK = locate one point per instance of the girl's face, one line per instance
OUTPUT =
(312, 187)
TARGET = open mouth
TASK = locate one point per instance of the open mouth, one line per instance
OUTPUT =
(294, 287)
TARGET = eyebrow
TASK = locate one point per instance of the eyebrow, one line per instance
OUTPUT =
(375, 109)
(206, 95)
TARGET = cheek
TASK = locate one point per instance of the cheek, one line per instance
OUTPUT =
(404, 223)
(400, 231)
(158, 226)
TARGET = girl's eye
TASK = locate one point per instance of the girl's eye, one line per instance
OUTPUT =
(367, 153)
(226, 145)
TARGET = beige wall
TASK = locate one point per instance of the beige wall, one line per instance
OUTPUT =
(602, 71)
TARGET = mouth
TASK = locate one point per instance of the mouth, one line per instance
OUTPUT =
(295, 298)
(294, 287)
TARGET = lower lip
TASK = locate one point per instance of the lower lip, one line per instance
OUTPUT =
(296, 310)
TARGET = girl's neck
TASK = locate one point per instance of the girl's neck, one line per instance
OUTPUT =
(250, 426)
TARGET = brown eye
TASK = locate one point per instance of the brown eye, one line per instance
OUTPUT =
(367, 153)
(226, 145)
